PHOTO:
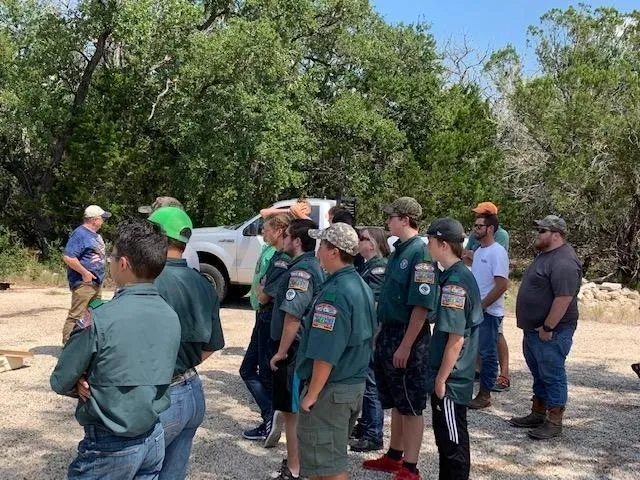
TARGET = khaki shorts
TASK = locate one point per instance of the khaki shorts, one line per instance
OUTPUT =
(323, 432)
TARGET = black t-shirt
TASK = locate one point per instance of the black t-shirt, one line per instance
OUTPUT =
(557, 273)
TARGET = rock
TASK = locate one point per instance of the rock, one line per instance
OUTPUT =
(633, 295)
(589, 286)
(610, 287)
(600, 295)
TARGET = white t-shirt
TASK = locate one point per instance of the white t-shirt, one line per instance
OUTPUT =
(490, 262)
(191, 256)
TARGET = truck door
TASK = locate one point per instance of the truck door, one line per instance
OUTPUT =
(250, 244)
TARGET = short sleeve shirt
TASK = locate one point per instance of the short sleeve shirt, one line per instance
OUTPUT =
(459, 312)
(373, 274)
(488, 263)
(276, 270)
(88, 247)
(410, 280)
(557, 273)
(339, 328)
(296, 290)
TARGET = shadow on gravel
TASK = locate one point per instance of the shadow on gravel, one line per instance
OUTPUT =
(20, 447)
(238, 351)
(51, 350)
(33, 311)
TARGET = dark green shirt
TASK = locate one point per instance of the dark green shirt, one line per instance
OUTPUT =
(127, 349)
(339, 328)
(410, 280)
(296, 290)
(373, 274)
(196, 302)
(272, 280)
(460, 312)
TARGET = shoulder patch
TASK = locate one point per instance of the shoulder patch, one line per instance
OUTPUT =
(280, 264)
(404, 263)
(86, 321)
(425, 272)
(424, 289)
(298, 283)
(324, 317)
(290, 295)
(326, 308)
(378, 271)
(301, 274)
(453, 296)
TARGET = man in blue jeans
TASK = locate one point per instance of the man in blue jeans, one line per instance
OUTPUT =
(490, 268)
(547, 311)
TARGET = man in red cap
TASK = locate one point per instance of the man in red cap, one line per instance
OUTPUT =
(501, 236)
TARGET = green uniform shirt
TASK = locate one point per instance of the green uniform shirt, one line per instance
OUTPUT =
(195, 301)
(261, 269)
(373, 274)
(296, 290)
(410, 280)
(272, 280)
(501, 237)
(339, 328)
(459, 311)
(127, 349)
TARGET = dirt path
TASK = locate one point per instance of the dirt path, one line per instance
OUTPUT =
(38, 434)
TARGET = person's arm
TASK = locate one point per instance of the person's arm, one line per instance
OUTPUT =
(74, 264)
(74, 359)
(416, 323)
(263, 298)
(501, 285)
(289, 333)
(216, 341)
(565, 279)
(558, 309)
(319, 376)
(449, 358)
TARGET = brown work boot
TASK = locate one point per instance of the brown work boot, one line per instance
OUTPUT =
(482, 400)
(535, 418)
(552, 426)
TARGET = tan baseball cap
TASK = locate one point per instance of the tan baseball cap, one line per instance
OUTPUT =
(160, 202)
(341, 235)
(93, 211)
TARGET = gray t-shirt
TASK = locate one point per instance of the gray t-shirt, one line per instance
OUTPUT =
(557, 273)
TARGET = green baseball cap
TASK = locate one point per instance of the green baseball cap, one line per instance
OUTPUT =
(553, 223)
(405, 206)
(447, 229)
(174, 221)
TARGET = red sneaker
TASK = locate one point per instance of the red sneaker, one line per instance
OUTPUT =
(405, 474)
(383, 464)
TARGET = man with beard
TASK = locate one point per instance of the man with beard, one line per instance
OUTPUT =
(547, 311)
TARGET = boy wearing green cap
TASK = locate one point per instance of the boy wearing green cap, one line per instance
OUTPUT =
(126, 349)
(453, 348)
(195, 301)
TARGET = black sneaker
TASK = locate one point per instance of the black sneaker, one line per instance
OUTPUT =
(258, 433)
(357, 431)
(285, 473)
(273, 430)
(365, 445)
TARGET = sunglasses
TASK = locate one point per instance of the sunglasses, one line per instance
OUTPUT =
(364, 239)
(543, 230)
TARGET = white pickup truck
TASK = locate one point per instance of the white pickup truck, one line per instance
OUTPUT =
(228, 254)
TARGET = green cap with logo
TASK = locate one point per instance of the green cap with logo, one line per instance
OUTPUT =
(339, 234)
(405, 206)
(447, 229)
(553, 223)
(174, 221)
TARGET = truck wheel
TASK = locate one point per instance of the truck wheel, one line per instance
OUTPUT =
(216, 278)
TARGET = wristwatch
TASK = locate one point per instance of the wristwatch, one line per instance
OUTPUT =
(547, 328)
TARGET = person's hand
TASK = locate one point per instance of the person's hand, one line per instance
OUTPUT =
(275, 359)
(82, 387)
(468, 255)
(401, 356)
(88, 277)
(440, 389)
(308, 402)
(544, 336)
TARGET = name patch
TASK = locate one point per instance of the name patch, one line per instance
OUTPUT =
(424, 273)
(453, 296)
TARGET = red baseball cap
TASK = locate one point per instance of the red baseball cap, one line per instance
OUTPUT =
(486, 207)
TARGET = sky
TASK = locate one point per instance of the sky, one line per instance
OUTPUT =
(487, 24)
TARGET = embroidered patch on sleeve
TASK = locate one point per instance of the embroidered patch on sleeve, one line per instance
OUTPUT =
(424, 273)
(424, 289)
(378, 271)
(453, 296)
(280, 264)
(86, 321)
(301, 274)
(290, 295)
(324, 317)
(299, 283)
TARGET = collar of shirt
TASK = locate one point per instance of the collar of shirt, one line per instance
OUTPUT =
(136, 289)
(301, 257)
(444, 275)
(176, 262)
(400, 246)
(343, 271)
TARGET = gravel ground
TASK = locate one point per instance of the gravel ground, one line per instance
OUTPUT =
(38, 434)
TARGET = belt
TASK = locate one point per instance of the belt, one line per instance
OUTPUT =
(183, 376)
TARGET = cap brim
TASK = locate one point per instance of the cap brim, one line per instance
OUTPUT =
(106, 215)
(145, 209)
(479, 210)
(388, 209)
(315, 233)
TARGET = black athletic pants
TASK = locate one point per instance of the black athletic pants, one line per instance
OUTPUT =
(452, 438)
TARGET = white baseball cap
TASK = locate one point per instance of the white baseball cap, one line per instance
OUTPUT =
(95, 211)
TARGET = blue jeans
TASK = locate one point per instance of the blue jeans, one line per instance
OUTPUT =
(372, 413)
(488, 350)
(180, 422)
(103, 455)
(546, 362)
(255, 370)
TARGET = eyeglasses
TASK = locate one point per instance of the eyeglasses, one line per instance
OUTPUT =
(285, 235)
(479, 226)
(364, 239)
(393, 215)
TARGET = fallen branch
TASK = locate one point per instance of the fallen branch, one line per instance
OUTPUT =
(159, 97)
